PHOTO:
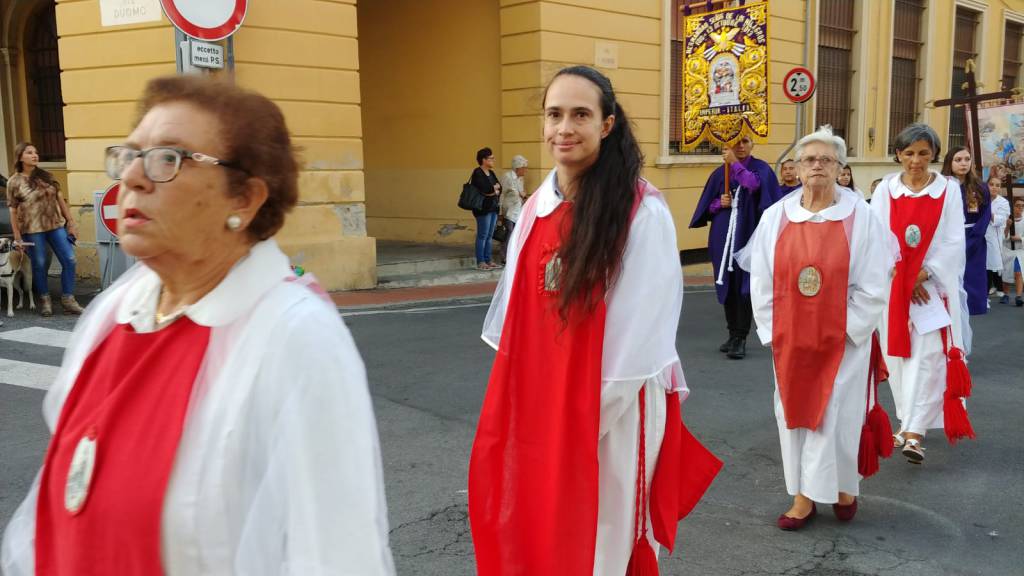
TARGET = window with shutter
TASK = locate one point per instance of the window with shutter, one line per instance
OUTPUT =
(1011, 55)
(680, 8)
(907, 41)
(964, 49)
(46, 104)
(835, 66)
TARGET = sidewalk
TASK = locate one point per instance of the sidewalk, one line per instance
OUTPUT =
(696, 278)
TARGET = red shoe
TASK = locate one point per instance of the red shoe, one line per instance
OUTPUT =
(845, 513)
(790, 524)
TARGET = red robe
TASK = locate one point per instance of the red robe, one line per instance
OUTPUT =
(923, 212)
(809, 329)
(533, 478)
(131, 396)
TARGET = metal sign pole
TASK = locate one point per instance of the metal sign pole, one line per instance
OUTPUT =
(179, 60)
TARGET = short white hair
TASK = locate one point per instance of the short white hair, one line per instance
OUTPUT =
(824, 135)
(518, 162)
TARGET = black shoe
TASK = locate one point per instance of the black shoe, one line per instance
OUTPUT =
(724, 348)
(738, 350)
(1019, 301)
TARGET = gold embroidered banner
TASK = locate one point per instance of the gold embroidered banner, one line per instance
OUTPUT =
(725, 76)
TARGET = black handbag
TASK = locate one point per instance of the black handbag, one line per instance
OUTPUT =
(501, 232)
(471, 198)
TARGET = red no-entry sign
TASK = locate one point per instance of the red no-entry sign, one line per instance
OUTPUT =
(209, 20)
(108, 208)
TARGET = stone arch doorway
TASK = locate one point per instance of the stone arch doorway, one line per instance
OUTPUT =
(30, 86)
(431, 87)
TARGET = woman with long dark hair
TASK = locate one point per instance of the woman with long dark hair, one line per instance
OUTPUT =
(977, 206)
(583, 403)
(40, 217)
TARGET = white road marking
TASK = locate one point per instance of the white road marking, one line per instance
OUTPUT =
(39, 336)
(27, 374)
(412, 310)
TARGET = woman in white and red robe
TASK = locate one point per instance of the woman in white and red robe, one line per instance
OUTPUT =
(211, 415)
(819, 266)
(581, 464)
(925, 324)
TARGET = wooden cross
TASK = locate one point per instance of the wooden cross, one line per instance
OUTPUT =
(971, 101)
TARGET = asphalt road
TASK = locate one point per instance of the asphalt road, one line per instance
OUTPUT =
(959, 514)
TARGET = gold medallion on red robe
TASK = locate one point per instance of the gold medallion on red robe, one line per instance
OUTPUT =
(812, 269)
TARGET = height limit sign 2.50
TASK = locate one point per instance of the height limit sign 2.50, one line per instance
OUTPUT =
(798, 85)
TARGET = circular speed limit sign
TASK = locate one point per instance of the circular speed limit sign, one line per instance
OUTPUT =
(798, 85)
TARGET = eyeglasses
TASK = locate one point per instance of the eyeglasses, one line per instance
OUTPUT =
(825, 161)
(160, 164)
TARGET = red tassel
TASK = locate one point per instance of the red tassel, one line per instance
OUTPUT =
(881, 429)
(867, 457)
(958, 379)
(954, 419)
(642, 562)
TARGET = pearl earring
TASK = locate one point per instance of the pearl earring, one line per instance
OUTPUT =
(234, 222)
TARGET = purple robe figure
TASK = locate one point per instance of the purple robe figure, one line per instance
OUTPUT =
(975, 274)
(754, 185)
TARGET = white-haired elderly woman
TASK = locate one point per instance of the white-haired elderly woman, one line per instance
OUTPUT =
(925, 322)
(818, 281)
(515, 192)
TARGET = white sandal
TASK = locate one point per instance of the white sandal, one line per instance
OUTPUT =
(913, 451)
(898, 440)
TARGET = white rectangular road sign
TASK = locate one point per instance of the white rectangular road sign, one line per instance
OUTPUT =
(206, 55)
(120, 12)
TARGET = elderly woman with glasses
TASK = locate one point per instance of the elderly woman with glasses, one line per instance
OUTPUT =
(211, 415)
(925, 325)
(819, 266)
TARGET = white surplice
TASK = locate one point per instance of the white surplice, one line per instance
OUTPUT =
(821, 463)
(1013, 257)
(278, 469)
(918, 382)
(994, 234)
(642, 316)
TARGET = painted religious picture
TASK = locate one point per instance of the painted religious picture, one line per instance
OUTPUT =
(724, 82)
(1002, 140)
(725, 75)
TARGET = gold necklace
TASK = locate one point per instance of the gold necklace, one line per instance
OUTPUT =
(161, 319)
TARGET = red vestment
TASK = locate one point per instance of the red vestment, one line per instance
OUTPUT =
(809, 330)
(533, 478)
(131, 396)
(533, 471)
(923, 213)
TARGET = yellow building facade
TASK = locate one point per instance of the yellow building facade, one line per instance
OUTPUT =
(389, 100)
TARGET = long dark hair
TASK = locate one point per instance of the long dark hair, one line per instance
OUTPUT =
(38, 175)
(851, 186)
(972, 184)
(592, 248)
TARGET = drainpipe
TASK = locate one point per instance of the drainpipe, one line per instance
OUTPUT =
(798, 133)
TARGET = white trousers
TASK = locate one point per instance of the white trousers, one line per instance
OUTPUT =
(617, 456)
(918, 383)
(822, 463)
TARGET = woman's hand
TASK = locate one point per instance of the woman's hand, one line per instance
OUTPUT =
(726, 200)
(72, 228)
(17, 242)
(920, 294)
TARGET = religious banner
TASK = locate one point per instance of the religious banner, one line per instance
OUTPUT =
(725, 76)
(1002, 139)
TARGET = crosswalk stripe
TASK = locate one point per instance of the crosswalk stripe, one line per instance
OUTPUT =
(27, 374)
(39, 336)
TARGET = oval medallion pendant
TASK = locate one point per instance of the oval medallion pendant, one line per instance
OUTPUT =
(809, 282)
(83, 462)
(912, 236)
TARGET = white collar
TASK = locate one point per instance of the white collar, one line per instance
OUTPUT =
(249, 279)
(897, 188)
(846, 200)
(548, 195)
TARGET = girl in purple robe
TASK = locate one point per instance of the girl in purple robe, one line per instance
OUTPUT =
(977, 213)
